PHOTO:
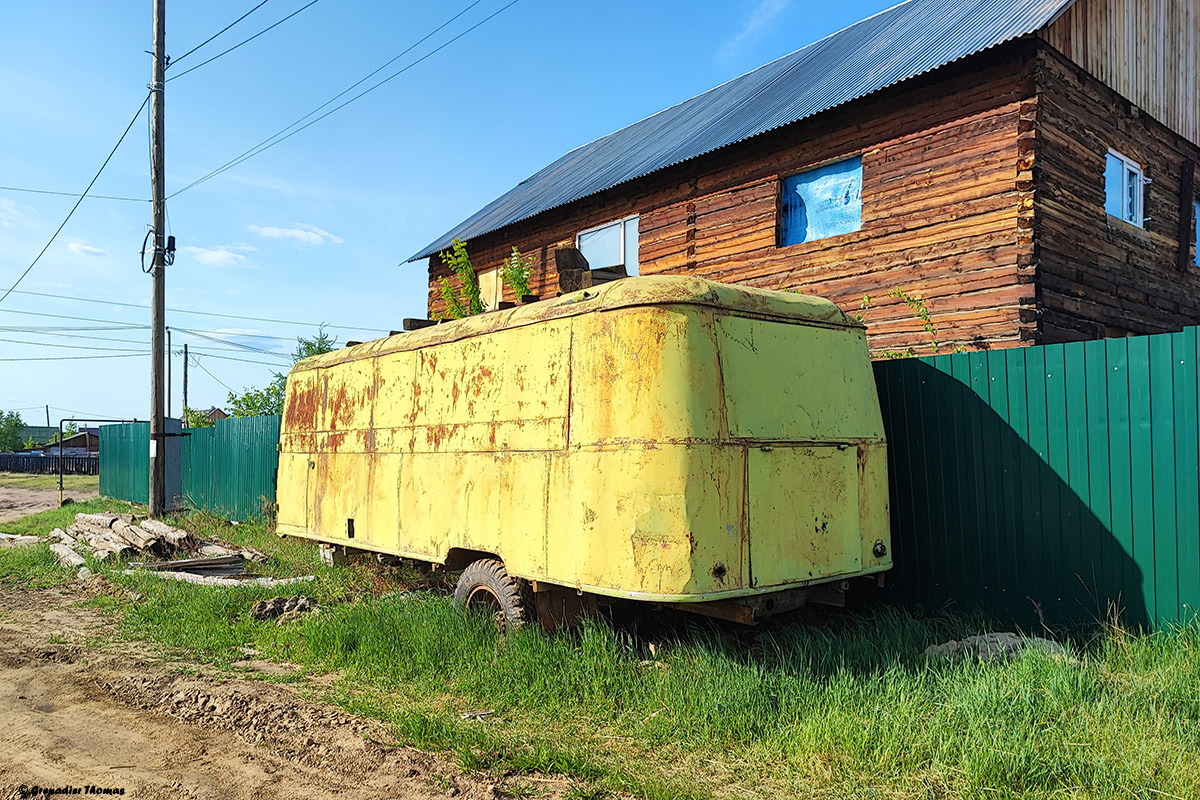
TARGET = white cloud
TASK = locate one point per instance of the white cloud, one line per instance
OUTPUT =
(220, 256)
(299, 232)
(80, 249)
(754, 26)
(10, 213)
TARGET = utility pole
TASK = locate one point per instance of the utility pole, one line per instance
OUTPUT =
(169, 354)
(185, 366)
(47, 416)
(158, 304)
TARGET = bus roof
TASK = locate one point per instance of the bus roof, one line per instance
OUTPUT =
(625, 293)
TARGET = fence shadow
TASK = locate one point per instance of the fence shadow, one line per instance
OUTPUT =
(1014, 495)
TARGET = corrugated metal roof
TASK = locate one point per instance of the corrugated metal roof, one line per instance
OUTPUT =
(904, 41)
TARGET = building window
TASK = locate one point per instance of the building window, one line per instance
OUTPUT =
(822, 202)
(1196, 234)
(612, 245)
(1124, 189)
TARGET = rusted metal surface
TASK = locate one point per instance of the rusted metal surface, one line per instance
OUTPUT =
(664, 439)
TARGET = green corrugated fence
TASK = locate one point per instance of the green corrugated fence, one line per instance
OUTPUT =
(125, 461)
(228, 470)
(1048, 482)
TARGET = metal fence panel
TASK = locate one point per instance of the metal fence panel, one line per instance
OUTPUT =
(48, 465)
(230, 469)
(125, 461)
(1048, 482)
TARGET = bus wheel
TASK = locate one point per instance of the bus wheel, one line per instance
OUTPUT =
(486, 586)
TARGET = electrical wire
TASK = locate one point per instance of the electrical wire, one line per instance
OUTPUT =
(279, 137)
(143, 344)
(72, 194)
(183, 311)
(71, 213)
(79, 346)
(214, 377)
(80, 358)
(218, 33)
(235, 344)
(239, 44)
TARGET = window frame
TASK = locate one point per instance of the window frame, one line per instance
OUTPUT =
(1128, 165)
(620, 223)
(781, 199)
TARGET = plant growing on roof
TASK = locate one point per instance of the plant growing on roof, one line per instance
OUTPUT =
(466, 300)
(516, 272)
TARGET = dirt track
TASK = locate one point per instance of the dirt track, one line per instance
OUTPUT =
(18, 502)
(76, 717)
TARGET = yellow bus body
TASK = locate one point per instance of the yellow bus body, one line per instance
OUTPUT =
(666, 439)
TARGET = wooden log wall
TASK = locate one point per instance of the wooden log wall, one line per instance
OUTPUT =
(947, 209)
(1100, 277)
(1148, 50)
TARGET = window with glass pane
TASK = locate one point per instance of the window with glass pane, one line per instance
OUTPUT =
(611, 245)
(1123, 188)
(823, 202)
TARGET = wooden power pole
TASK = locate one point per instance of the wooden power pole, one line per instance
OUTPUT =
(183, 413)
(158, 303)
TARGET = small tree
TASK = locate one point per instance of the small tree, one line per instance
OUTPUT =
(196, 419)
(269, 399)
(516, 272)
(10, 431)
(466, 299)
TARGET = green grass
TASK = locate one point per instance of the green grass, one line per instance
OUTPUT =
(71, 483)
(825, 705)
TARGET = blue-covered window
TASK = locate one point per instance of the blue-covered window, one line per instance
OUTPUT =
(1196, 236)
(1123, 188)
(823, 202)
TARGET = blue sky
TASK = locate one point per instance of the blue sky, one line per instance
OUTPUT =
(317, 228)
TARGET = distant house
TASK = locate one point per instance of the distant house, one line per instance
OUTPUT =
(84, 442)
(214, 414)
(1028, 167)
(39, 433)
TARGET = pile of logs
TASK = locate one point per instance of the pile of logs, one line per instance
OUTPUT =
(126, 536)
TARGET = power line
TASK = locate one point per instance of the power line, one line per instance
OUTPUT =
(80, 200)
(239, 44)
(235, 344)
(279, 137)
(218, 33)
(238, 349)
(185, 311)
(214, 377)
(78, 346)
(80, 358)
(73, 194)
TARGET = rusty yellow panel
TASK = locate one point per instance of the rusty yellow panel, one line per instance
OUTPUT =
(645, 374)
(504, 391)
(671, 533)
(804, 513)
(874, 515)
(292, 491)
(396, 392)
(494, 498)
(349, 397)
(797, 382)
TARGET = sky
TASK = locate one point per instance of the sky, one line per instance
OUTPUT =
(317, 228)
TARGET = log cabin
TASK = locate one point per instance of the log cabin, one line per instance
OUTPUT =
(1025, 167)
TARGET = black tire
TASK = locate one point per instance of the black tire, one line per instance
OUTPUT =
(485, 585)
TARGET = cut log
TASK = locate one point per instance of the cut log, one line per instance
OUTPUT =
(177, 538)
(60, 535)
(137, 537)
(88, 529)
(204, 580)
(103, 520)
(211, 550)
(67, 557)
(12, 540)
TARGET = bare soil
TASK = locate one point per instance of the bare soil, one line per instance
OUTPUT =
(115, 717)
(20, 502)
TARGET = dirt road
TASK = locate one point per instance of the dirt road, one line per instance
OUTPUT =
(19, 502)
(116, 718)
